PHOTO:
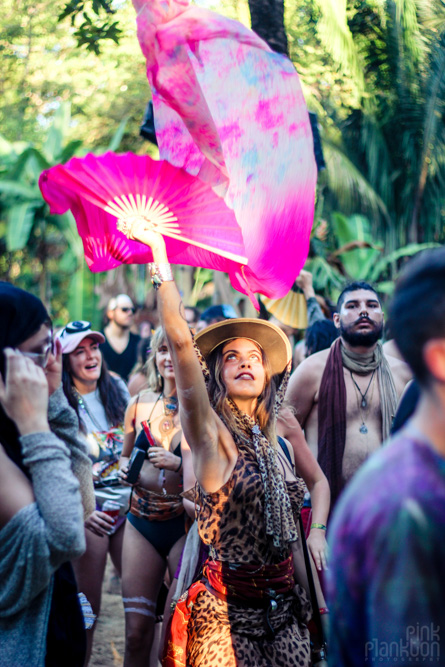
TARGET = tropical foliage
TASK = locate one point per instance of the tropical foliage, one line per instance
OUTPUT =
(385, 148)
(346, 250)
(39, 249)
(372, 70)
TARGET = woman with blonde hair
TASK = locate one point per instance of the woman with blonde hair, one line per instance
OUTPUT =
(155, 529)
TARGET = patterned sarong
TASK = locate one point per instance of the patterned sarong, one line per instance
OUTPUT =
(153, 506)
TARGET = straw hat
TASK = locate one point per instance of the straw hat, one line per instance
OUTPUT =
(268, 336)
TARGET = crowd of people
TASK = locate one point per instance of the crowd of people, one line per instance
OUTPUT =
(255, 454)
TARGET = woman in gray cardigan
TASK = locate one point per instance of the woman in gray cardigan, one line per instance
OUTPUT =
(41, 512)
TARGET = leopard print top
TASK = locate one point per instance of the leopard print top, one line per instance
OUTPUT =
(232, 522)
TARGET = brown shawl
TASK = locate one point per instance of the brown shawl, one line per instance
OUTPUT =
(332, 407)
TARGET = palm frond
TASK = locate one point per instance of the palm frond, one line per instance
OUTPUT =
(337, 38)
(352, 190)
(434, 112)
(406, 15)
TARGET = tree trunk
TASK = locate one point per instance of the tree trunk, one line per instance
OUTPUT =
(267, 18)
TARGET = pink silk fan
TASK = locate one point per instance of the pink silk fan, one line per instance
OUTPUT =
(107, 192)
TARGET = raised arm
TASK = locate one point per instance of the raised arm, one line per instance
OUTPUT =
(200, 424)
(42, 518)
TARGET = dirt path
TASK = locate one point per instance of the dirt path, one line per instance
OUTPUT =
(109, 638)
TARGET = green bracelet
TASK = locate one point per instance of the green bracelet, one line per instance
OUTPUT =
(318, 525)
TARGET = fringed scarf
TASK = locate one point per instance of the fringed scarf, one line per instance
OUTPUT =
(332, 406)
(279, 520)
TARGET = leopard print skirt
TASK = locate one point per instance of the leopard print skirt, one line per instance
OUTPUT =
(222, 634)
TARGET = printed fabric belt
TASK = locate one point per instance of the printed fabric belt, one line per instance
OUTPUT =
(232, 582)
(155, 506)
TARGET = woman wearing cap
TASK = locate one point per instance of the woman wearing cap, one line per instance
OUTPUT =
(243, 611)
(155, 531)
(100, 400)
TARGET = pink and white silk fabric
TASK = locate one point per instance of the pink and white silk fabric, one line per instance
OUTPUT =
(231, 111)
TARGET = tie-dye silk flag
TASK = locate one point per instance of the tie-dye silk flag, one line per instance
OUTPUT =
(231, 111)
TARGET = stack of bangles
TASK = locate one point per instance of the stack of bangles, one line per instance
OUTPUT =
(321, 526)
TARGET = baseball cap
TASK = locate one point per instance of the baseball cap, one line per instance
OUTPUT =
(73, 334)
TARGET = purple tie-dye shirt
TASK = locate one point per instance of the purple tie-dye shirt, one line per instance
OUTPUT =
(386, 579)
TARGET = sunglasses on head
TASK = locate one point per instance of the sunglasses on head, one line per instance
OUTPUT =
(76, 327)
(126, 309)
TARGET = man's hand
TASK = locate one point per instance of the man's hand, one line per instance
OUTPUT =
(24, 395)
(53, 370)
(304, 282)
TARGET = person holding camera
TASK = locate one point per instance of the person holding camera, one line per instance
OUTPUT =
(99, 399)
(155, 531)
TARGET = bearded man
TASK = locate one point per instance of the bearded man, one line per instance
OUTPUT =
(346, 397)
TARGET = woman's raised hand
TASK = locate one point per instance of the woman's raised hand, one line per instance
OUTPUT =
(24, 394)
(150, 237)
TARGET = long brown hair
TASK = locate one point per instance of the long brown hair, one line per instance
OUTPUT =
(111, 396)
(264, 411)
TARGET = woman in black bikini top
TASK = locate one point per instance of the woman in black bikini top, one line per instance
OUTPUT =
(155, 530)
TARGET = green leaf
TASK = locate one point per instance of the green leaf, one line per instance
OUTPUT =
(406, 251)
(29, 165)
(349, 184)
(67, 224)
(17, 189)
(70, 150)
(357, 262)
(20, 219)
(53, 145)
(334, 32)
(324, 275)
(117, 137)
(386, 286)
(68, 262)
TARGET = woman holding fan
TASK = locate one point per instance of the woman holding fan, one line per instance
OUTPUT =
(247, 608)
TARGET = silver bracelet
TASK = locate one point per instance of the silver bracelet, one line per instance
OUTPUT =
(160, 273)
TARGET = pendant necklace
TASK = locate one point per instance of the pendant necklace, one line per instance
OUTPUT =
(170, 411)
(363, 403)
